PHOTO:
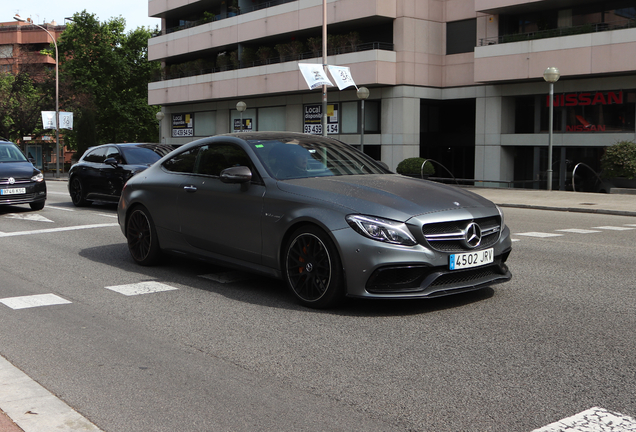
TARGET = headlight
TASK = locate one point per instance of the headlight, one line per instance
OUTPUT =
(503, 222)
(383, 230)
(38, 177)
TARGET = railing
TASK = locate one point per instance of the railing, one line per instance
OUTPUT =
(195, 71)
(221, 16)
(559, 32)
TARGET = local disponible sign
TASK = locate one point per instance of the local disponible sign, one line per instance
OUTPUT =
(182, 125)
(313, 119)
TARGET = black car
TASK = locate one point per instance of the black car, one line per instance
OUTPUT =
(20, 181)
(102, 171)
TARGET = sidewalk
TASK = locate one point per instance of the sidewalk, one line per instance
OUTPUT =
(614, 203)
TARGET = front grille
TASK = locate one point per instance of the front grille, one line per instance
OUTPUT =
(17, 197)
(435, 281)
(5, 180)
(450, 236)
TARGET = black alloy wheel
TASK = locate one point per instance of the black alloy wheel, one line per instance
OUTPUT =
(313, 271)
(142, 237)
(77, 193)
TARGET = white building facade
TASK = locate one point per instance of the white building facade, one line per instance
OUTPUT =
(456, 81)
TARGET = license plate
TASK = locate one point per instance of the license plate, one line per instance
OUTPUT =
(471, 259)
(13, 191)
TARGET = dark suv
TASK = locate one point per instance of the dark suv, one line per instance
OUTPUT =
(20, 181)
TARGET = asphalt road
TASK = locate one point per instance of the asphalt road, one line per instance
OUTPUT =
(218, 350)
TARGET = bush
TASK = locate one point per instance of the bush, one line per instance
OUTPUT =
(413, 166)
(619, 160)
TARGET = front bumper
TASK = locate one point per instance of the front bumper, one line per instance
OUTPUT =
(379, 270)
(35, 192)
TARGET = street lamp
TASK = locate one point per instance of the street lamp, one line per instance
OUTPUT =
(241, 106)
(551, 75)
(362, 94)
(57, 98)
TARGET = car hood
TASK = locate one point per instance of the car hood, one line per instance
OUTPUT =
(387, 195)
(17, 170)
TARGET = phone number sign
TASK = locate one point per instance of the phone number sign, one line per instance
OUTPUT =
(313, 119)
(182, 125)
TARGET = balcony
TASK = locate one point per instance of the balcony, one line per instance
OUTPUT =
(604, 52)
(558, 32)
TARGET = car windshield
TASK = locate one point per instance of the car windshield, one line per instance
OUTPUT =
(10, 153)
(140, 155)
(312, 158)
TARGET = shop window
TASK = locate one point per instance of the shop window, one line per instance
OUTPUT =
(272, 119)
(205, 124)
(461, 36)
(350, 117)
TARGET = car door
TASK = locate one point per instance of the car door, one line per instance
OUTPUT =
(113, 177)
(90, 172)
(217, 217)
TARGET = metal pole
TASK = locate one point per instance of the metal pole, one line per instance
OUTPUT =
(324, 66)
(362, 127)
(550, 133)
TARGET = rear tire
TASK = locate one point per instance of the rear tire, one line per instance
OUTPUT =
(312, 268)
(141, 234)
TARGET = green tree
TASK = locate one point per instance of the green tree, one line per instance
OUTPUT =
(21, 101)
(107, 73)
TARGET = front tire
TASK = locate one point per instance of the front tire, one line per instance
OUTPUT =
(77, 193)
(35, 206)
(312, 268)
(141, 234)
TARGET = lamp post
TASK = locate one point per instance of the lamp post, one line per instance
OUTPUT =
(362, 94)
(551, 75)
(160, 115)
(57, 98)
(240, 107)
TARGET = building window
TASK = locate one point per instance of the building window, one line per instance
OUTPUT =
(205, 124)
(461, 36)
(272, 119)
(6, 68)
(350, 122)
(589, 111)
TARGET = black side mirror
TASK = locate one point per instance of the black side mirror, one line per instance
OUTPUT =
(111, 161)
(239, 174)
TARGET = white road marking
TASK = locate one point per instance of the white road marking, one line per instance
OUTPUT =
(578, 231)
(107, 215)
(56, 193)
(54, 230)
(538, 234)
(226, 277)
(148, 287)
(593, 420)
(31, 301)
(27, 216)
(59, 208)
(614, 228)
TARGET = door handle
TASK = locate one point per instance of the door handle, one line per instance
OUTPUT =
(190, 188)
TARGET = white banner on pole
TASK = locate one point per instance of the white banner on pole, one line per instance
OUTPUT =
(342, 76)
(314, 74)
(48, 120)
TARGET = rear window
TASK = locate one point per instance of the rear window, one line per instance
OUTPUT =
(140, 155)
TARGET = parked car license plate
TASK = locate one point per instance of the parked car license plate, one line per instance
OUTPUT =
(471, 259)
(13, 191)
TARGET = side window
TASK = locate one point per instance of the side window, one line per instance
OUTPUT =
(182, 162)
(96, 156)
(113, 152)
(215, 158)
